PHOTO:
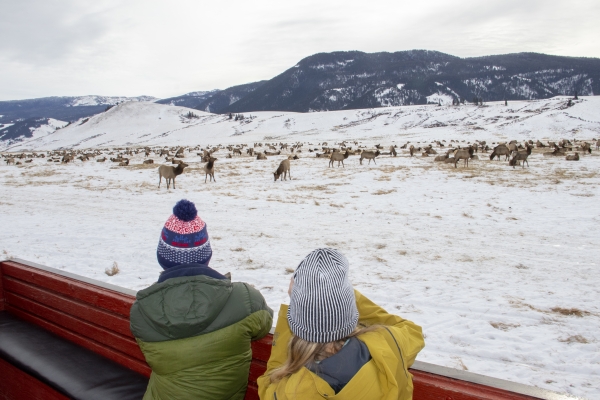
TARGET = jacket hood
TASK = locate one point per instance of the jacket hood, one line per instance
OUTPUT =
(183, 306)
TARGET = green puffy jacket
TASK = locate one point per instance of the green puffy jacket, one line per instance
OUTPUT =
(195, 333)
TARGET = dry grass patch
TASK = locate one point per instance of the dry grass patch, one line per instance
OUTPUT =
(289, 270)
(41, 174)
(112, 270)
(381, 191)
(575, 339)
(238, 249)
(148, 166)
(576, 312)
(504, 327)
(337, 205)
(380, 246)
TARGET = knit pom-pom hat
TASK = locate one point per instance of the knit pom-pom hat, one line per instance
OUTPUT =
(184, 238)
(322, 304)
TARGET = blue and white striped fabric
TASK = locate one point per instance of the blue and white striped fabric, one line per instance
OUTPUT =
(322, 304)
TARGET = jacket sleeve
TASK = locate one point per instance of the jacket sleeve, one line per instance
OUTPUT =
(281, 338)
(264, 314)
(407, 334)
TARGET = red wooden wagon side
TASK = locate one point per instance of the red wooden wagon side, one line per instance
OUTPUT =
(95, 315)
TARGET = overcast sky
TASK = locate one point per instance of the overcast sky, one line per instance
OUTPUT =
(168, 48)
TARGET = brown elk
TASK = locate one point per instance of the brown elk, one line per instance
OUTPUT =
(574, 157)
(598, 145)
(284, 168)
(237, 151)
(209, 169)
(370, 155)
(339, 157)
(441, 157)
(150, 161)
(500, 150)
(261, 156)
(521, 155)
(124, 163)
(169, 173)
(393, 151)
(586, 147)
(463, 154)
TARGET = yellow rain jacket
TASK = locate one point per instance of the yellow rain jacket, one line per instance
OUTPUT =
(393, 349)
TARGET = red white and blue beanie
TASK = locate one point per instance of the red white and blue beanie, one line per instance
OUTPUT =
(322, 304)
(184, 238)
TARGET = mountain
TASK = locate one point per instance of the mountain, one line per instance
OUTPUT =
(19, 118)
(62, 108)
(354, 80)
(190, 100)
(224, 98)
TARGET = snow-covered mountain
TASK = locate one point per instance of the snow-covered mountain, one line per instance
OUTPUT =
(190, 100)
(149, 123)
(354, 80)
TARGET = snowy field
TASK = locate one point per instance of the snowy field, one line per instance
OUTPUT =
(499, 265)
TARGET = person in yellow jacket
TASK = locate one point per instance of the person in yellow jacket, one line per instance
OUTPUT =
(332, 342)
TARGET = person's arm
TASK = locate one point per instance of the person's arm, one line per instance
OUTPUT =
(263, 313)
(407, 334)
(281, 338)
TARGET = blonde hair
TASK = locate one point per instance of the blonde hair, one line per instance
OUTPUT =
(302, 352)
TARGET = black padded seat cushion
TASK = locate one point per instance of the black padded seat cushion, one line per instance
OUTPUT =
(70, 369)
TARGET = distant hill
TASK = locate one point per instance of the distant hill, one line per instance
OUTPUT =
(353, 80)
(190, 100)
(224, 98)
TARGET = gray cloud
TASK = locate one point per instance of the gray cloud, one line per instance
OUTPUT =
(133, 47)
(39, 32)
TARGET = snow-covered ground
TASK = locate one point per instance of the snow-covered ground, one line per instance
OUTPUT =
(499, 265)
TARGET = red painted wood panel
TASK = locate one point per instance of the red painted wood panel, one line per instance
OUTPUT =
(17, 385)
(1, 290)
(111, 321)
(261, 349)
(106, 299)
(99, 348)
(433, 387)
(251, 392)
(99, 334)
(257, 368)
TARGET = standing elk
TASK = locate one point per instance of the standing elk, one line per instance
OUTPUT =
(500, 150)
(284, 168)
(463, 154)
(521, 155)
(209, 169)
(169, 173)
(370, 155)
(339, 157)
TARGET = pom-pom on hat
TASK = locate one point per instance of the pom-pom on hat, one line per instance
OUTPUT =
(322, 304)
(184, 238)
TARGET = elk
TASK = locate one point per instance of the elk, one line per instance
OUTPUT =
(500, 150)
(463, 154)
(284, 168)
(209, 169)
(260, 156)
(169, 173)
(574, 157)
(237, 151)
(393, 151)
(586, 147)
(339, 157)
(124, 163)
(598, 145)
(150, 161)
(521, 155)
(539, 144)
(441, 157)
(370, 155)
